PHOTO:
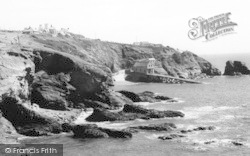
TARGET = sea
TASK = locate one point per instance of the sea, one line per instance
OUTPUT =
(222, 102)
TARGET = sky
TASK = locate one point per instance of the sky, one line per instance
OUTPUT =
(128, 21)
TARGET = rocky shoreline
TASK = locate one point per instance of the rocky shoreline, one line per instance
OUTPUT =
(46, 82)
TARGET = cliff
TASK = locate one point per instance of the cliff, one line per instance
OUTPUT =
(44, 80)
(116, 56)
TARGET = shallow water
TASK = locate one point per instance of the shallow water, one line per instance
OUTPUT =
(223, 102)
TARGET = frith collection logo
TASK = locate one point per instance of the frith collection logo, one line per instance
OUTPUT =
(211, 28)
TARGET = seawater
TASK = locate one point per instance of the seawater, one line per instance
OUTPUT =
(223, 102)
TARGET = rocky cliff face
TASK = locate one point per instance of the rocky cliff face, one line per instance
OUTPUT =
(118, 56)
(236, 68)
(34, 78)
(42, 75)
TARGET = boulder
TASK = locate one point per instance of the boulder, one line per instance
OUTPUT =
(236, 68)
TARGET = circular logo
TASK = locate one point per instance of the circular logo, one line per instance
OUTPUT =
(7, 150)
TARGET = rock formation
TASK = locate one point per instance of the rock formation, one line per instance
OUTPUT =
(42, 75)
(236, 68)
(93, 131)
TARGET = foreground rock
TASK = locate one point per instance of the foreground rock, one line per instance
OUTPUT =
(236, 68)
(157, 127)
(93, 131)
(170, 137)
(27, 121)
(8, 134)
(209, 128)
(131, 112)
(146, 96)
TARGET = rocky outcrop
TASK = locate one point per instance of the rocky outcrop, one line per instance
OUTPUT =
(188, 65)
(132, 96)
(131, 112)
(25, 120)
(93, 131)
(118, 56)
(43, 75)
(7, 130)
(170, 136)
(156, 127)
(146, 96)
(236, 68)
(50, 80)
(201, 128)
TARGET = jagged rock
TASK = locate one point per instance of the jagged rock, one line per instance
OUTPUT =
(130, 112)
(157, 127)
(7, 131)
(145, 96)
(211, 128)
(27, 121)
(51, 91)
(237, 143)
(170, 136)
(201, 128)
(133, 96)
(88, 131)
(236, 68)
(93, 131)
(150, 112)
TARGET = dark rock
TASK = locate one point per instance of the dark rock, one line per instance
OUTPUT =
(66, 127)
(134, 97)
(145, 96)
(209, 142)
(27, 121)
(93, 131)
(185, 131)
(150, 112)
(88, 131)
(117, 133)
(236, 68)
(237, 143)
(204, 128)
(103, 115)
(157, 127)
(130, 112)
(162, 97)
(51, 91)
(201, 128)
(170, 137)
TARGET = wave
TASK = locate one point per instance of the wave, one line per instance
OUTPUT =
(196, 112)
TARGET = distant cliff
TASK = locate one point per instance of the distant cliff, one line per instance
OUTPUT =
(118, 56)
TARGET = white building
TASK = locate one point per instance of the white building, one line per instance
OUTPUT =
(145, 66)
